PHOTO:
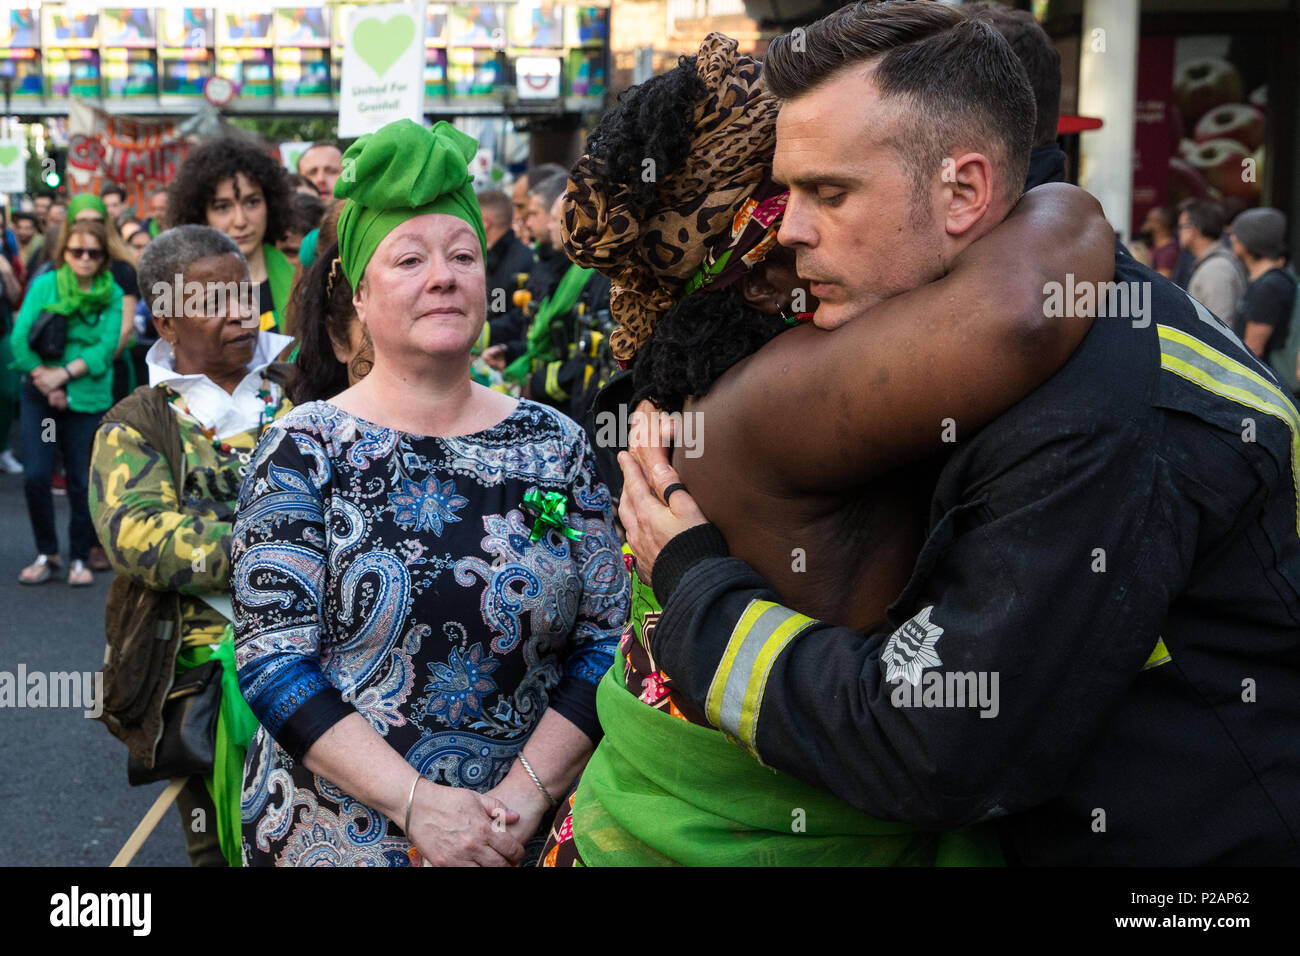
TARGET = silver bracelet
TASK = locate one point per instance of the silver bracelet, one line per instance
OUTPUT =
(410, 802)
(551, 801)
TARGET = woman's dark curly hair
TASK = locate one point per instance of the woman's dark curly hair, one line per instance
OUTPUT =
(704, 335)
(210, 165)
(325, 314)
(709, 331)
(653, 120)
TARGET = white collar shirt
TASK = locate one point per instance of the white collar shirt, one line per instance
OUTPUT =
(211, 405)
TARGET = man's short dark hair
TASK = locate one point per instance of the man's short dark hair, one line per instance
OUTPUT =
(111, 189)
(29, 216)
(545, 171)
(494, 200)
(957, 77)
(550, 189)
(1205, 216)
(1037, 53)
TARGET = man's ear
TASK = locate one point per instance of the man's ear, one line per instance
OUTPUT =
(968, 182)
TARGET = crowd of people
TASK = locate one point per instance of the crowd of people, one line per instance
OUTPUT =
(333, 433)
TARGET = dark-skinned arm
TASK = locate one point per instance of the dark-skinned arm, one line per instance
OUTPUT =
(819, 411)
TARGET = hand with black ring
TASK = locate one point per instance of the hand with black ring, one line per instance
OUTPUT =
(647, 476)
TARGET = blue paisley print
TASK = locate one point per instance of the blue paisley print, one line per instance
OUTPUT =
(393, 575)
(427, 505)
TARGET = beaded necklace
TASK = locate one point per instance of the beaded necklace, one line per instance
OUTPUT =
(266, 417)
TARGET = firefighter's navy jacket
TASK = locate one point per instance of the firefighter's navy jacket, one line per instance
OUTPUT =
(1122, 549)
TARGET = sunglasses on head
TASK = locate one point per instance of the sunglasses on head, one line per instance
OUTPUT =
(91, 254)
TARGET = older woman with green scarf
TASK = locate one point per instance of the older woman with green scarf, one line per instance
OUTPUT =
(67, 387)
(426, 580)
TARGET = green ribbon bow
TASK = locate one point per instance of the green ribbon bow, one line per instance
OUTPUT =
(549, 508)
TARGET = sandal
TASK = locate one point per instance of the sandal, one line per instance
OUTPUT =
(39, 571)
(79, 575)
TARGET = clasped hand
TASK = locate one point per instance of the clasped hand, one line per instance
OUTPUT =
(49, 378)
(452, 826)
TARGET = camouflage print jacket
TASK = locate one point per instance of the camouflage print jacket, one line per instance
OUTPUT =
(167, 538)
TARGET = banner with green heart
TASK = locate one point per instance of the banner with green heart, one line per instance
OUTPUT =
(383, 67)
(13, 168)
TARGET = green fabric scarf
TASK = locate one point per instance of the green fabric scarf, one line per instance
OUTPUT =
(75, 301)
(539, 334)
(661, 791)
(235, 728)
(279, 272)
(400, 172)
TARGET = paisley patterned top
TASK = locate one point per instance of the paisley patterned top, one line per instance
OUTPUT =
(394, 575)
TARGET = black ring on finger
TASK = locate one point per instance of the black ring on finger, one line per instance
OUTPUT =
(675, 486)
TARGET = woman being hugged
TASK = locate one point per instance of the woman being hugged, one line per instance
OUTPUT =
(69, 391)
(427, 584)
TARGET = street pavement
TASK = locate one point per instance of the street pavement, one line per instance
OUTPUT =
(62, 776)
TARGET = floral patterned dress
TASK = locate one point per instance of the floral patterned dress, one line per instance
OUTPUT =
(405, 578)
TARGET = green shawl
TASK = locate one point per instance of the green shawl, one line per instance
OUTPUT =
(279, 272)
(235, 728)
(73, 300)
(539, 333)
(661, 791)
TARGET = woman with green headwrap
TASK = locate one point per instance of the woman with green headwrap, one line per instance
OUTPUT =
(70, 387)
(427, 583)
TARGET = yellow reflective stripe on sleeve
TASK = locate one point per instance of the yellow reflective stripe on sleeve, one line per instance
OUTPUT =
(1198, 363)
(736, 693)
(553, 388)
(1158, 656)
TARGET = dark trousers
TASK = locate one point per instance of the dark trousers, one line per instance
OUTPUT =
(201, 840)
(42, 429)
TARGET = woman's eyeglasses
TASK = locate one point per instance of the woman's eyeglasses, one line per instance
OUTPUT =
(94, 255)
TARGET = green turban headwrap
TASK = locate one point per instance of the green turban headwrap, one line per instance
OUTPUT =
(400, 172)
(84, 201)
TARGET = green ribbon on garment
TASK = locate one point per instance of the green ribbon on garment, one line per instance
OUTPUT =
(235, 728)
(549, 507)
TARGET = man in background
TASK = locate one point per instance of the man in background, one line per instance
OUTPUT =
(41, 207)
(1158, 229)
(157, 208)
(321, 164)
(507, 255)
(114, 197)
(28, 236)
(1259, 242)
(1218, 281)
(519, 193)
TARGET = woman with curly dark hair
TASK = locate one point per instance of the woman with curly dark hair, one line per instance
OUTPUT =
(234, 187)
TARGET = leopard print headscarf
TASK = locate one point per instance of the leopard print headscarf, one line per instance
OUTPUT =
(650, 261)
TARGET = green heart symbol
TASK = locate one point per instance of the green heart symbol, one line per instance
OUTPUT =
(382, 44)
(8, 154)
